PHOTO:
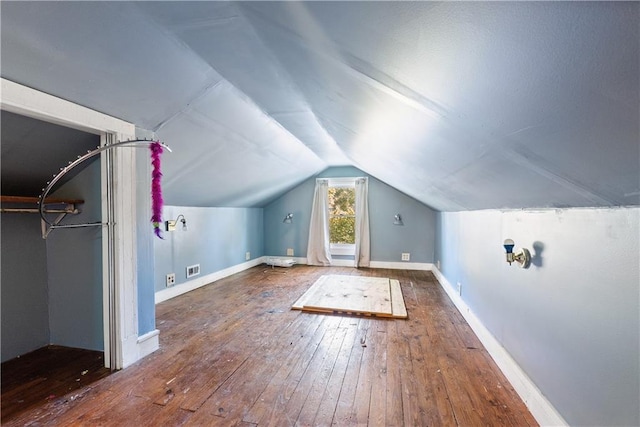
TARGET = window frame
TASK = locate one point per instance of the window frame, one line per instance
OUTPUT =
(342, 249)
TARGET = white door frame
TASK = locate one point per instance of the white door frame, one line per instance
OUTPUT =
(119, 238)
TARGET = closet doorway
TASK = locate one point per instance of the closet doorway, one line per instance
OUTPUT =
(72, 288)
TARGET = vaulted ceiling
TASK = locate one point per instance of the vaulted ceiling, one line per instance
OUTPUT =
(459, 105)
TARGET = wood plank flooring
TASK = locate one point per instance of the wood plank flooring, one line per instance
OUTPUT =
(233, 353)
(46, 374)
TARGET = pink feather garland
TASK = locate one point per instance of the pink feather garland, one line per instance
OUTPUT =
(156, 188)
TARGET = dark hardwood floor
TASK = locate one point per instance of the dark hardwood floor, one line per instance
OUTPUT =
(233, 353)
(45, 374)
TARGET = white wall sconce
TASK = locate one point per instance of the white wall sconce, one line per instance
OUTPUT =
(171, 224)
(521, 256)
(288, 219)
(397, 220)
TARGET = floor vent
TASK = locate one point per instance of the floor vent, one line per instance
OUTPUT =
(193, 270)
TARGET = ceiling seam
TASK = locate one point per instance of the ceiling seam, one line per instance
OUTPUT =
(187, 107)
(285, 72)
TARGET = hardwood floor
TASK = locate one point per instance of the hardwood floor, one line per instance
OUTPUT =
(46, 374)
(233, 353)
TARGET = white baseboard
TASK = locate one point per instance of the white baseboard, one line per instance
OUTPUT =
(541, 409)
(425, 266)
(148, 343)
(372, 264)
(183, 288)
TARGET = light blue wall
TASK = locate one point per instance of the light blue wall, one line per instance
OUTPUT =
(217, 238)
(74, 264)
(571, 321)
(388, 241)
(144, 239)
(25, 304)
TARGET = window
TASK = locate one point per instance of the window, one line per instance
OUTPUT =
(342, 215)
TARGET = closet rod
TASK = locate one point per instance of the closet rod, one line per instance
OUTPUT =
(34, 210)
(135, 143)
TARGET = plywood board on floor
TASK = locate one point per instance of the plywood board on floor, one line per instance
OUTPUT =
(397, 300)
(371, 296)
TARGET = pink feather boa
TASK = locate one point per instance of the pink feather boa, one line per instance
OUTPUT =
(156, 188)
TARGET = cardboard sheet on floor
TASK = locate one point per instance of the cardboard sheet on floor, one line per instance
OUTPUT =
(370, 296)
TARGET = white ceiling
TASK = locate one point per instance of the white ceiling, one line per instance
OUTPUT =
(459, 105)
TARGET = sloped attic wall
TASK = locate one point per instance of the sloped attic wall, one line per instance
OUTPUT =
(460, 105)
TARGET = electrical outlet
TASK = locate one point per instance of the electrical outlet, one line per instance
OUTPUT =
(438, 264)
(406, 256)
(290, 252)
(459, 288)
(247, 256)
(171, 279)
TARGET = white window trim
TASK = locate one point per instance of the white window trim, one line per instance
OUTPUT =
(343, 182)
(343, 249)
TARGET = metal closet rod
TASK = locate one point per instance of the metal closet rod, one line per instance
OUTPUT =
(135, 143)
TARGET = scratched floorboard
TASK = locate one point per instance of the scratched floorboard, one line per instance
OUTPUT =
(233, 354)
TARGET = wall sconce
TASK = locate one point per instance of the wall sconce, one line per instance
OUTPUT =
(288, 219)
(171, 224)
(397, 220)
(521, 256)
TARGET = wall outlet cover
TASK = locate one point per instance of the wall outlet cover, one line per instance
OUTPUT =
(406, 256)
(459, 288)
(290, 252)
(247, 256)
(171, 279)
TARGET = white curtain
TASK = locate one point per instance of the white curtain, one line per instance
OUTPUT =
(362, 254)
(319, 250)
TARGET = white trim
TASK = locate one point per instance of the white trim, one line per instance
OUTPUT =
(346, 182)
(148, 343)
(344, 249)
(33, 103)
(424, 266)
(126, 250)
(541, 409)
(342, 262)
(191, 285)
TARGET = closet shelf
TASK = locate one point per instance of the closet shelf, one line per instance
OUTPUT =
(52, 205)
(21, 204)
